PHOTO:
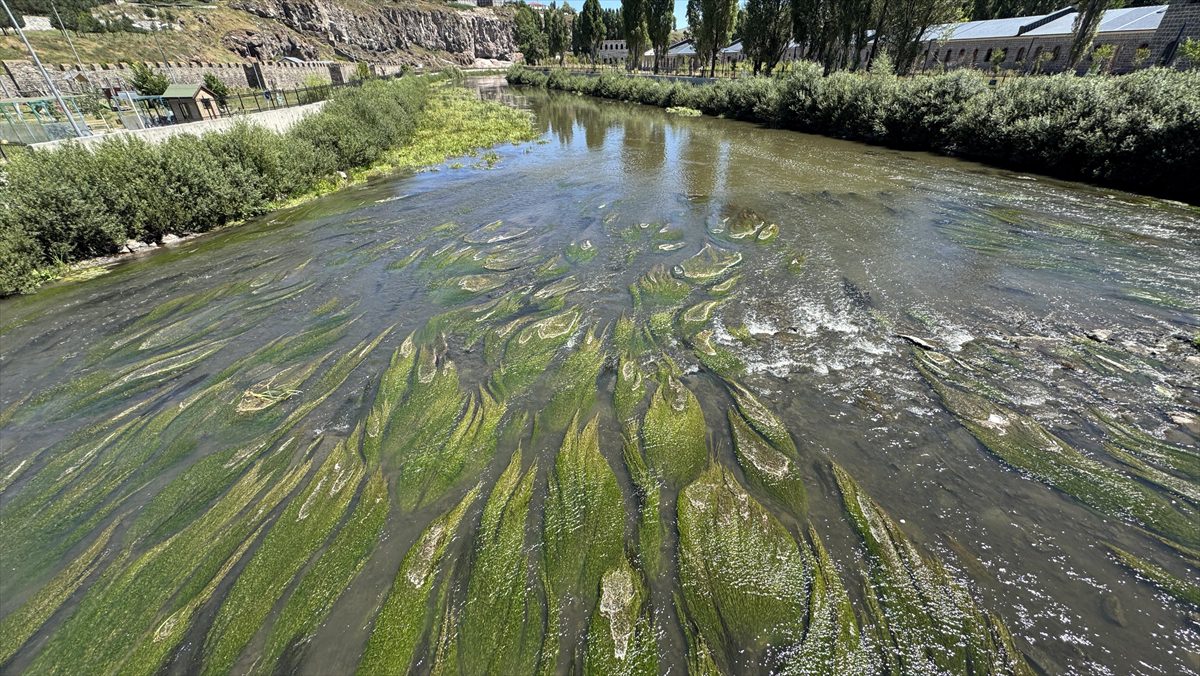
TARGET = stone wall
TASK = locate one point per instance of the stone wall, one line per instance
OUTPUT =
(21, 78)
(1021, 53)
(1182, 21)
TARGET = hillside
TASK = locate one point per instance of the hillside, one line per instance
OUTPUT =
(239, 30)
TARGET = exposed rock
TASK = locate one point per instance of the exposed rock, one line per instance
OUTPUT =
(374, 30)
(268, 45)
(132, 245)
(1099, 335)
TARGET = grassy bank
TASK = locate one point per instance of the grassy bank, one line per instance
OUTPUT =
(1139, 132)
(72, 204)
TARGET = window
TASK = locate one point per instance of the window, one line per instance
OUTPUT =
(947, 59)
(975, 56)
(988, 56)
(1020, 54)
(1054, 56)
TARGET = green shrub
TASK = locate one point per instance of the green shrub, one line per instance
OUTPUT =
(1138, 131)
(71, 202)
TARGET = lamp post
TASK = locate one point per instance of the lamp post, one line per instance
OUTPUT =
(38, 63)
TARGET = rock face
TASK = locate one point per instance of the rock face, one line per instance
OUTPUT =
(367, 31)
(268, 45)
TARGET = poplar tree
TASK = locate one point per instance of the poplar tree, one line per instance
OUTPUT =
(660, 21)
(633, 12)
(711, 23)
(591, 28)
(765, 32)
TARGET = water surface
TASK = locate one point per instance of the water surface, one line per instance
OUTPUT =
(1066, 305)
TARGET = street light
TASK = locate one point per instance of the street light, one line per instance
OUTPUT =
(38, 62)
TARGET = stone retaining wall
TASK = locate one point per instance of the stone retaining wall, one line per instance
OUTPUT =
(21, 78)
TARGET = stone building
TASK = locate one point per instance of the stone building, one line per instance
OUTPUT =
(1139, 36)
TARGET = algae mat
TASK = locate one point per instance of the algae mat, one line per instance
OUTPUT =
(650, 395)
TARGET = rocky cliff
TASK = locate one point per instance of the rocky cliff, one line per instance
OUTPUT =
(368, 31)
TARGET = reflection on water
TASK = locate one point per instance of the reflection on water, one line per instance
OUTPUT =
(251, 351)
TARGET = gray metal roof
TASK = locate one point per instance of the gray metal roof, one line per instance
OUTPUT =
(1114, 21)
(685, 48)
(735, 48)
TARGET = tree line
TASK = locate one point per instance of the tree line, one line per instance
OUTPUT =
(838, 34)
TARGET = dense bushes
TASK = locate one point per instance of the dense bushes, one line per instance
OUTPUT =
(1139, 131)
(62, 205)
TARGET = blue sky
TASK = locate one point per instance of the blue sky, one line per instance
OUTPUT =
(680, 9)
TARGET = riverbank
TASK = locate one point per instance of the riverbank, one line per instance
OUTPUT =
(1138, 132)
(70, 211)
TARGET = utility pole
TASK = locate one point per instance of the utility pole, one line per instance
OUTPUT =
(67, 35)
(38, 63)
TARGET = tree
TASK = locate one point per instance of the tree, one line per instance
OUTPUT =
(1102, 58)
(636, 33)
(558, 34)
(530, 37)
(1189, 53)
(6, 23)
(908, 21)
(765, 32)
(148, 81)
(1087, 21)
(591, 28)
(614, 23)
(218, 88)
(660, 21)
(711, 23)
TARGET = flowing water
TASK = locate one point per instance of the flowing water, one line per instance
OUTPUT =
(649, 395)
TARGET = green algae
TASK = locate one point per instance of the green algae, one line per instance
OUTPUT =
(767, 468)
(833, 642)
(406, 617)
(658, 288)
(743, 579)
(708, 265)
(529, 350)
(762, 419)
(581, 252)
(714, 357)
(673, 433)
(302, 527)
(583, 532)
(630, 389)
(924, 621)
(1122, 436)
(726, 287)
(573, 384)
(1026, 445)
(503, 610)
(17, 627)
(1178, 588)
(621, 639)
(332, 573)
(433, 464)
(155, 594)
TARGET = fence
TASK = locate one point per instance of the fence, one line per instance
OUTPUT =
(25, 124)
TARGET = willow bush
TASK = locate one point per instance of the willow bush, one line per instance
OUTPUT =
(1139, 131)
(72, 202)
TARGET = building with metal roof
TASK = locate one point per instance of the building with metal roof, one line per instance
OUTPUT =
(1041, 42)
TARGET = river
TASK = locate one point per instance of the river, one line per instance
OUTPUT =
(934, 329)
